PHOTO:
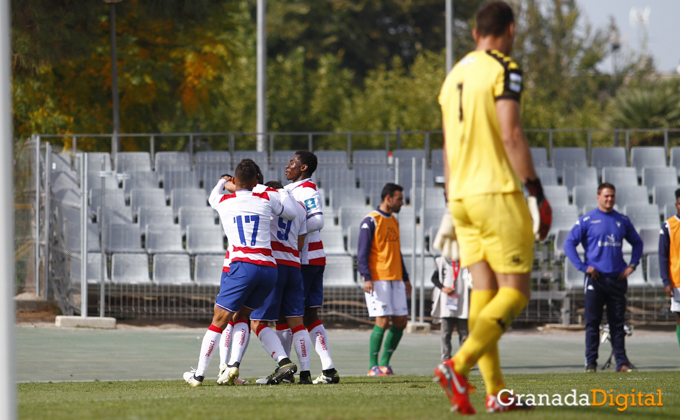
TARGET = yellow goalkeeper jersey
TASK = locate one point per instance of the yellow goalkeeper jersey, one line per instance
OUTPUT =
(474, 150)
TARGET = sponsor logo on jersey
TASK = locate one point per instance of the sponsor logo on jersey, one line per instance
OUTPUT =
(310, 204)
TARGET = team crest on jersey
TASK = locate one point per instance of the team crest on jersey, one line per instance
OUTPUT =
(618, 224)
(310, 204)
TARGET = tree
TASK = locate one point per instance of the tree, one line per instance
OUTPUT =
(651, 104)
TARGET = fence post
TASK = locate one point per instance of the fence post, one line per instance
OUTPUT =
(396, 171)
(628, 144)
(232, 143)
(83, 236)
(73, 149)
(665, 142)
(427, 146)
(191, 150)
(422, 242)
(48, 215)
(310, 142)
(387, 142)
(550, 143)
(271, 147)
(589, 147)
(349, 147)
(102, 245)
(152, 149)
(616, 138)
(37, 216)
(398, 138)
(413, 245)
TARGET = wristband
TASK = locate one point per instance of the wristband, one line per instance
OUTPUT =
(535, 188)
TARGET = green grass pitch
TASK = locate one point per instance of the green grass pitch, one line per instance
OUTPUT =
(398, 397)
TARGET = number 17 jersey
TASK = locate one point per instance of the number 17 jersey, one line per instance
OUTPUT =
(474, 149)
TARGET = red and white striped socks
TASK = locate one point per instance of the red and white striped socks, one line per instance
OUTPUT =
(210, 340)
(317, 333)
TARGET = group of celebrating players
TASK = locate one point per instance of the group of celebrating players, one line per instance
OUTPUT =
(273, 272)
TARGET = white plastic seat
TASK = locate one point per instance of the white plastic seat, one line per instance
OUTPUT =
(130, 269)
(369, 158)
(261, 158)
(631, 194)
(163, 239)
(351, 216)
(637, 278)
(187, 197)
(654, 177)
(333, 241)
(647, 156)
(568, 156)
(172, 269)
(328, 158)
(650, 240)
(564, 218)
(172, 161)
(132, 162)
(208, 270)
(347, 197)
(603, 157)
(154, 215)
(556, 195)
(123, 238)
(653, 271)
(573, 278)
(339, 272)
(353, 240)
(94, 268)
(540, 157)
(144, 180)
(207, 239)
(620, 176)
(643, 216)
(198, 216)
(579, 177)
(178, 179)
(548, 176)
(146, 197)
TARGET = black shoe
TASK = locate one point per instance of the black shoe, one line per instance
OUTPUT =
(280, 373)
(591, 368)
(305, 378)
(288, 379)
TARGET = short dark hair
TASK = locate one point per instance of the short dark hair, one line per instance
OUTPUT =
(677, 194)
(309, 159)
(607, 185)
(493, 18)
(260, 177)
(246, 171)
(274, 184)
(389, 189)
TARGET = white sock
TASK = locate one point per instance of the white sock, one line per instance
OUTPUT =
(271, 343)
(317, 332)
(210, 339)
(225, 343)
(240, 337)
(286, 336)
(302, 346)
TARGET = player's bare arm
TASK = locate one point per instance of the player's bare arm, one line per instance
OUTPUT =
(515, 143)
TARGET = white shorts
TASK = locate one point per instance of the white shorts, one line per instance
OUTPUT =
(675, 305)
(388, 298)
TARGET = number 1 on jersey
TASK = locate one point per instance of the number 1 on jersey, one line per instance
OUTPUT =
(241, 234)
(460, 101)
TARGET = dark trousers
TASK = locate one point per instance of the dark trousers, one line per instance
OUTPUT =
(608, 291)
(447, 331)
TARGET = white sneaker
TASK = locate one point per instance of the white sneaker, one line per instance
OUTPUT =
(229, 376)
(192, 379)
(262, 381)
(224, 367)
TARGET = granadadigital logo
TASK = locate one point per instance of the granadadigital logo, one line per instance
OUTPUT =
(598, 397)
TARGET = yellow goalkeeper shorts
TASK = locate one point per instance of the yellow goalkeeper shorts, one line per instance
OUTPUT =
(495, 228)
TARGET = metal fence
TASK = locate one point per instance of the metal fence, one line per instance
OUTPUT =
(55, 229)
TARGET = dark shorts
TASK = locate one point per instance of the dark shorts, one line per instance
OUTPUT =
(312, 276)
(287, 295)
(246, 285)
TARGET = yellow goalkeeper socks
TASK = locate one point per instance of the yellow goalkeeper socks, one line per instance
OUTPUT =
(491, 323)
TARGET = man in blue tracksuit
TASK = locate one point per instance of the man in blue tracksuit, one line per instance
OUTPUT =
(602, 232)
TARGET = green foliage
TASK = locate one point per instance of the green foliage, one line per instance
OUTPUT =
(651, 104)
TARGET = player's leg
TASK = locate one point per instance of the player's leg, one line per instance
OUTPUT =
(677, 326)
(447, 324)
(377, 305)
(462, 327)
(211, 338)
(313, 283)
(225, 346)
(399, 313)
(303, 344)
(594, 303)
(285, 333)
(616, 313)
(293, 309)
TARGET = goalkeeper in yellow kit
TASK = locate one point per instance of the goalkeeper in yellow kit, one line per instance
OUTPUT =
(487, 159)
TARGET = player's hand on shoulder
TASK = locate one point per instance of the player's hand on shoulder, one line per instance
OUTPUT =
(541, 212)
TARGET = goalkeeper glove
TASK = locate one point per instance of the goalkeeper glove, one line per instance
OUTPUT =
(541, 212)
(445, 239)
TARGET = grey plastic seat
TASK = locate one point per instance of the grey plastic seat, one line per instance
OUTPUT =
(64, 180)
(333, 241)
(603, 157)
(72, 236)
(406, 156)
(590, 207)
(652, 177)
(351, 216)
(653, 271)
(650, 240)
(647, 156)
(560, 237)
(669, 211)
(573, 278)
(96, 162)
(281, 158)
(564, 218)
(61, 162)
(133, 162)
(643, 216)
(557, 195)
(187, 197)
(94, 181)
(540, 157)
(123, 238)
(198, 216)
(130, 269)
(94, 269)
(433, 217)
(664, 194)
(548, 176)
(347, 197)
(353, 240)
(172, 269)
(219, 158)
(261, 158)
(369, 158)
(146, 180)
(178, 179)
(434, 198)
(568, 156)
(154, 215)
(579, 176)
(163, 239)
(339, 272)
(115, 215)
(637, 278)
(113, 199)
(628, 194)
(146, 197)
(336, 158)
(210, 166)
(619, 176)
(675, 158)
(208, 270)
(209, 176)
(406, 239)
(372, 179)
(430, 268)
(172, 161)
(437, 158)
(202, 239)
(332, 177)
(68, 196)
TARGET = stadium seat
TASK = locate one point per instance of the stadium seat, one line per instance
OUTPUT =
(130, 269)
(573, 278)
(96, 162)
(163, 239)
(179, 179)
(433, 217)
(210, 166)
(351, 216)
(207, 239)
(372, 180)
(172, 161)
(348, 197)
(406, 156)
(603, 157)
(548, 176)
(172, 269)
(628, 194)
(653, 271)
(335, 177)
(123, 238)
(113, 199)
(261, 158)
(637, 278)
(650, 239)
(199, 216)
(115, 215)
(568, 156)
(64, 180)
(669, 211)
(72, 236)
(95, 181)
(208, 270)
(61, 162)
(369, 158)
(560, 237)
(437, 162)
(220, 159)
(590, 207)
(652, 177)
(146, 180)
(663, 195)
(564, 218)
(154, 215)
(540, 157)
(339, 272)
(434, 198)
(675, 158)
(646, 156)
(619, 176)
(67, 196)
(406, 238)
(334, 158)
(579, 177)
(146, 197)
(557, 195)
(353, 240)
(281, 158)
(430, 267)
(333, 241)
(643, 216)
(127, 162)
(187, 197)
(94, 268)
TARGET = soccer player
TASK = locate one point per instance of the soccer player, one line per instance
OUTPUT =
(252, 274)
(487, 160)
(312, 258)
(287, 297)
(669, 261)
(386, 282)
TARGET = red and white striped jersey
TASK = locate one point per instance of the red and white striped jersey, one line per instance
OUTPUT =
(285, 234)
(305, 191)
